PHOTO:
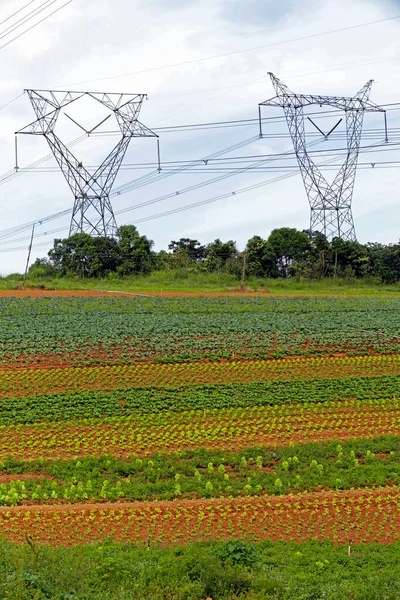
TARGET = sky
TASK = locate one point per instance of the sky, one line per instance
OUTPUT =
(228, 48)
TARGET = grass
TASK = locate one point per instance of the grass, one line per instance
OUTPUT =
(280, 571)
(186, 280)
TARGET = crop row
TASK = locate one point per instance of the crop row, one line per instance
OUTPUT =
(109, 330)
(165, 348)
(225, 428)
(362, 516)
(55, 407)
(254, 472)
(293, 306)
(28, 382)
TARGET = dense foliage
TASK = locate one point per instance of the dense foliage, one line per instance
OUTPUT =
(286, 253)
(231, 570)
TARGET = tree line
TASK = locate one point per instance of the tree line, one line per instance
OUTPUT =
(287, 252)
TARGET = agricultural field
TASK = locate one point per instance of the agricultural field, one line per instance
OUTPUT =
(168, 422)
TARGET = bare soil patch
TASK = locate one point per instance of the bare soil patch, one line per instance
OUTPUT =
(22, 477)
(44, 293)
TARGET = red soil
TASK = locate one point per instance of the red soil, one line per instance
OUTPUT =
(22, 477)
(38, 293)
(25, 382)
(361, 515)
(223, 429)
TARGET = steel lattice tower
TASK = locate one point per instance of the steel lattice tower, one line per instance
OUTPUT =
(92, 212)
(330, 203)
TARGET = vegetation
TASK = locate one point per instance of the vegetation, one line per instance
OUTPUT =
(120, 402)
(287, 253)
(260, 429)
(231, 570)
(256, 471)
(108, 330)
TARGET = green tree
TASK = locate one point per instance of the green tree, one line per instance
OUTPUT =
(384, 262)
(135, 251)
(221, 255)
(192, 249)
(314, 262)
(84, 256)
(350, 258)
(42, 268)
(288, 245)
(261, 260)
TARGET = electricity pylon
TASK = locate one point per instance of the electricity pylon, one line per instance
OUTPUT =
(92, 212)
(330, 203)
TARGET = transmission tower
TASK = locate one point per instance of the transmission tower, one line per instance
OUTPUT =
(330, 203)
(92, 212)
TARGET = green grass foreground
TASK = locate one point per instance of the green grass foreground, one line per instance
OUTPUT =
(188, 280)
(280, 571)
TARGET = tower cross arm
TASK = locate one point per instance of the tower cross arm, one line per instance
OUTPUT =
(341, 103)
(134, 128)
(330, 203)
(275, 101)
(92, 212)
(344, 103)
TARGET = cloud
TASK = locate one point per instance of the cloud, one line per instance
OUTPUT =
(261, 13)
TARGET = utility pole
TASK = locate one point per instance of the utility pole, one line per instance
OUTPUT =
(323, 263)
(29, 252)
(16, 155)
(330, 203)
(244, 269)
(92, 211)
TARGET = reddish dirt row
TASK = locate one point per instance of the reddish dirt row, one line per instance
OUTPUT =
(126, 354)
(230, 429)
(362, 515)
(30, 382)
(38, 293)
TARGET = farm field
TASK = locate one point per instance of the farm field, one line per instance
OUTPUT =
(172, 421)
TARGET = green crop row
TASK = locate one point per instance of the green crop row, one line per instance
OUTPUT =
(202, 473)
(55, 407)
(99, 330)
(141, 304)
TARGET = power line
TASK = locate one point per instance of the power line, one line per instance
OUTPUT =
(328, 164)
(220, 197)
(156, 176)
(197, 164)
(11, 101)
(12, 174)
(13, 231)
(26, 18)
(16, 12)
(151, 177)
(36, 24)
(199, 185)
(238, 122)
(225, 54)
